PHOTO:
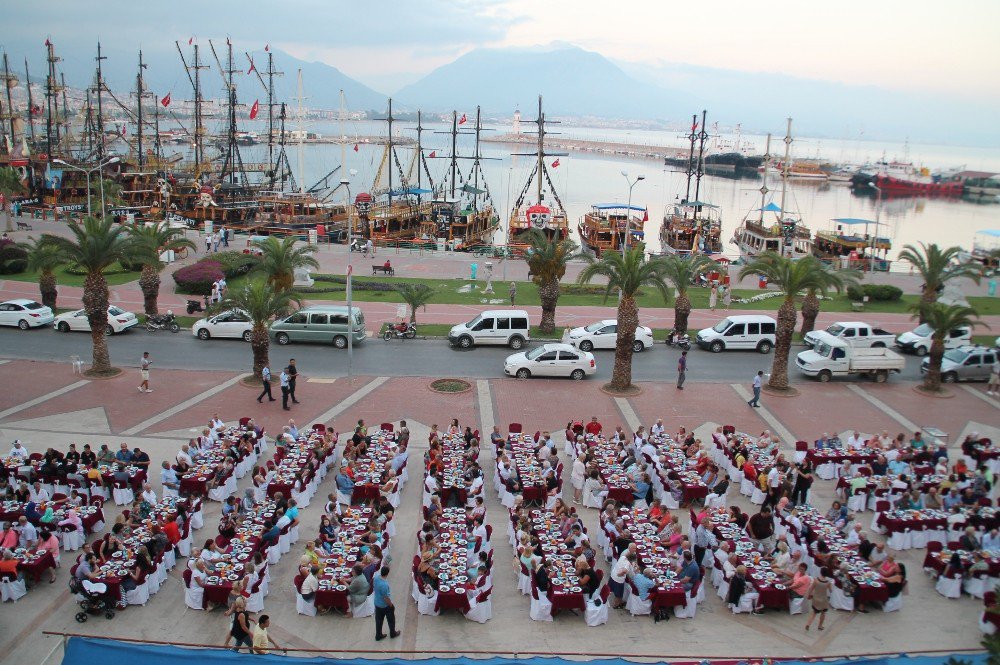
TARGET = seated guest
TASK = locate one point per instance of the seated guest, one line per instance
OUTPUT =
(969, 541)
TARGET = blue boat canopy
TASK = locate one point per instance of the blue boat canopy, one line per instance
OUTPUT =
(851, 221)
(617, 206)
(409, 191)
(698, 204)
(770, 207)
(990, 232)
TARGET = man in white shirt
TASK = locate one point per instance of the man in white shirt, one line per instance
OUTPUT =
(310, 584)
(38, 493)
(648, 449)
(148, 494)
(854, 535)
(184, 457)
(18, 450)
(658, 429)
(878, 554)
(27, 533)
(217, 422)
(855, 441)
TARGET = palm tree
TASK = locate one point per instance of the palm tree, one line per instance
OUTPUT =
(626, 275)
(44, 256)
(681, 271)
(937, 267)
(280, 258)
(415, 295)
(96, 244)
(839, 280)
(547, 259)
(10, 184)
(263, 302)
(943, 319)
(148, 243)
(791, 277)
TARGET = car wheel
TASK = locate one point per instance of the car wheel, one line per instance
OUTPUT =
(523, 373)
(638, 346)
(340, 342)
(586, 345)
(204, 334)
(63, 326)
(824, 376)
(108, 330)
(246, 335)
(949, 377)
(764, 347)
(577, 374)
(465, 342)
(881, 376)
(717, 347)
(516, 342)
(920, 351)
(282, 339)
(22, 324)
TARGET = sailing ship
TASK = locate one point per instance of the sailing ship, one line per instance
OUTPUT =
(843, 243)
(692, 226)
(611, 227)
(786, 235)
(548, 219)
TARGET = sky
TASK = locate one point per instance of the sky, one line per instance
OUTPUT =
(913, 45)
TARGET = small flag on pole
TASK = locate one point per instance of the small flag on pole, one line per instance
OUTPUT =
(463, 120)
(355, 147)
(433, 154)
(228, 43)
(252, 67)
(124, 129)
(166, 100)
(267, 47)
(645, 215)
(254, 109)
(555, 164)
(190, 41)
(47, 42)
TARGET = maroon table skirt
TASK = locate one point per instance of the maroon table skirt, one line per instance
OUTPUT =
(217, 594)
(453, 600)
(671, 598)
(899, 526)
(364, 493)
(38, 566)
(567, 601)
(772, 597)
(337, 600)
(621, 494)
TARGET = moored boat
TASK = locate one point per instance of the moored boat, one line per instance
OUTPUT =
(608, 225)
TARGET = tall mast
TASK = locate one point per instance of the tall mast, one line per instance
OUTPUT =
(702, 137)
(9, 80)
(302, 136)
(64, 117)
(693, 136)
(232, 165)
(198, 130)
(138, 101)
(420, 151)
(476, 158)
(271, 73)
(454, 151)
(157, 147)
(763, 188)
(784, 168)
(389, 148)
(31, 101)
(88, 123)
(281, 143)
(343, 145)
(541, 148)
(99, 91)
(51, 100)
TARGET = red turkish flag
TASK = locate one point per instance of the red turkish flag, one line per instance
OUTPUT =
(267, 47)
(463, 120)
(645, 215)
(433, 153)
(252, 67)
(355, 147)
(555, 164)
(254, 109)
(166, 101)
(47, 42)
(190, 41)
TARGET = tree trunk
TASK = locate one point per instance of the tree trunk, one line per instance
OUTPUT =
(260, 345)
(149, 282)
(810, 310)
(927, 297)
(413, 315)
(548, 293)
(47, 287)
(783, 345)
(932, 380)
(628, 321)
(95, 302)
(682, 309)
(8, 218)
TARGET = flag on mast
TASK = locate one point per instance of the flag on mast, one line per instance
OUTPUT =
(252, 67)
(254, 109)
(190, 41)
(555, 164)
(645, 215)
(166, 100)
(433, 154)
(463, 120)
(47, 42)
(267, 48)
(355, 147)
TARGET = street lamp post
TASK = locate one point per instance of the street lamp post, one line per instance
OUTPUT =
(878, 212)
(87, 172)
(628, 208)
(350, 269)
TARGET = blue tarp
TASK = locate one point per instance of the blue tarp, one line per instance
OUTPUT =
(411, 190)
(771, 207)
(990, 232)
(87, 651)
(851, 221)
(617, 206)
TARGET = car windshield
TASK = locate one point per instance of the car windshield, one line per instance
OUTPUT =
(33, 305)
(594, 327)
(359, 318)
(823, 349)
(835, 329)
(474, 322)
(534, 353)
(114, 311)
(923, 330)
(721, 325)
(956, 356)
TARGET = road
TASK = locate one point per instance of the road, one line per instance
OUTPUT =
(375, 357)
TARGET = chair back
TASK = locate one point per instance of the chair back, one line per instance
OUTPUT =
(485, 595)
(515, 428)
(605, 593)
(244, 421)
(801, 446)
(187, 577)
(881, 506)
(387, 427)
(299, 579)
(934, 546)
(319, 427)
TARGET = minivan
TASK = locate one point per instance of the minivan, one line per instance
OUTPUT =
(320, 323)
(966, 363)
(751, 331)
(507, 327)
(919, 339)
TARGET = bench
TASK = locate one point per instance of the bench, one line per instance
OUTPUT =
(382, 269)
(23, 226)
(857, 306)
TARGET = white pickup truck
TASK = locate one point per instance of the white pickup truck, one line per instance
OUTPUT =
(833, 356)
(855, 333)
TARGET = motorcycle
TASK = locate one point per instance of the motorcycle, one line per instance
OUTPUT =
(195, 306)
(163, 322)
(682, 342)
(400, 331)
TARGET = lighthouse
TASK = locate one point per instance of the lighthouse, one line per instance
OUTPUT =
(517, 122)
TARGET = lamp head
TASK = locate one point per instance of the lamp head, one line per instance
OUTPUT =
(113, 160)
(640, 177)
(625, 173)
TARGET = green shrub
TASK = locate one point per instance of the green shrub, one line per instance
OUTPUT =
(233, 263)
(356, 284)
(113, 269)
(13, 259)
(875, 293)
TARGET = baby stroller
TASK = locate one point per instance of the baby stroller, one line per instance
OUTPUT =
(95, 599)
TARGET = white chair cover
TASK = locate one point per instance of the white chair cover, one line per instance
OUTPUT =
(690, 608)
(541, 608)
(193, 597)
(480, 612)
(426, 603)
(12, 590)
(303, 606)
(365, 609)
(949, 587)
(597, 615)
(747, 603)
(840, 600)
(138, 595)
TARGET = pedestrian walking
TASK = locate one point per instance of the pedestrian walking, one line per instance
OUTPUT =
(208, 243)
(293, 375)
(240, 630)
(682, 365)
(513, 293)
(727, 297)
(993, 387)
(384, 609)
(144, 364)
(260, 636)
(283, 379)
(215, 241)
(758, 382)
(265, 375)
(713, 297)
(819, 597)
(225, 237)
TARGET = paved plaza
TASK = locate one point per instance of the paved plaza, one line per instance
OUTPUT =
(45, 404)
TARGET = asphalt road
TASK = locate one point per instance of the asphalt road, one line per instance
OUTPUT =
(376, 357)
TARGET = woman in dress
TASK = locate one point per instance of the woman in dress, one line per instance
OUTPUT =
(819, 597)
(713, 297)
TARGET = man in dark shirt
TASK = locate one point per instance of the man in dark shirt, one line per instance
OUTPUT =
(761, 529)
(542, 579)
(689, 571)
(293, 375)
(88, 457)
(140, 459)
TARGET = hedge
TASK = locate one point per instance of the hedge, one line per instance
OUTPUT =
(197, 278)
(113, 269)
(13, 259)
(233, 263)
(875, 292)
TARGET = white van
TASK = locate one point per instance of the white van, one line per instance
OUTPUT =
(745, 332)
(508, 327)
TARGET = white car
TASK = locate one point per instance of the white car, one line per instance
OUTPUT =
(604, 335)
(234, 324)
(919, 339)
(25, 314)
(551, 360)
(118, 321)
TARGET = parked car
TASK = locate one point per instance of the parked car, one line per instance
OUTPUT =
(506, 327)
(855, 333)
(751, 331)
(320, 323)
(604, 335)
(25, 314)
(919, 340)
(966, 363)
(551, 360)
(118, 321)
(232, 324)
(834, 356)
